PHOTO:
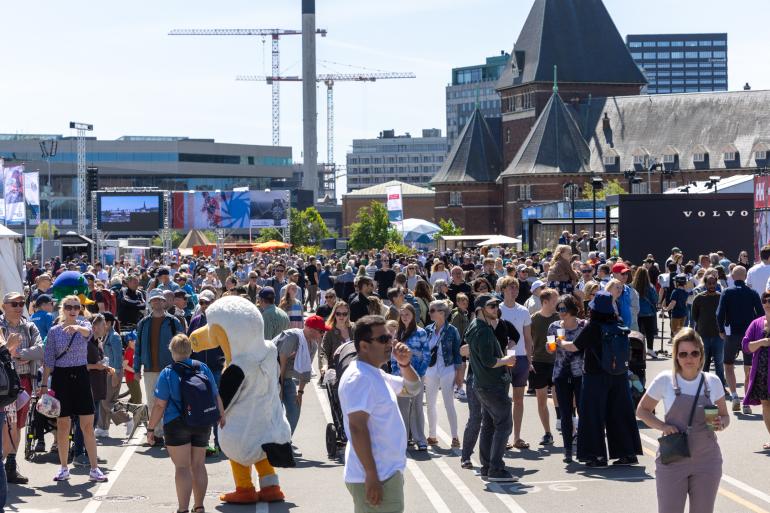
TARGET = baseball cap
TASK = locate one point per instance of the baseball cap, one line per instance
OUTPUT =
(206, 295)
(484, 299)
(680, 278)
(43, 299)
(536, 285)
(267, 293)
(12, 295)
(181, 293)
(156, 294)
(316, 322)
(675, 250)
(620, 268)
(163, 271)
(602, 303)
(521, 267)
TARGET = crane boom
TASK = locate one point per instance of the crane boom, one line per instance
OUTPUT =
(354, 77)
(239, 32)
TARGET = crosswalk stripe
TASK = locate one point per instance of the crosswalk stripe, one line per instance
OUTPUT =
(104, 488)
(465, 492)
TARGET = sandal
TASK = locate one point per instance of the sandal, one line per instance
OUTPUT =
(766, 447)
(518, 444)
(198, 509)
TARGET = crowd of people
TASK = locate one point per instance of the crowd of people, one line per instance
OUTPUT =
(482, 328)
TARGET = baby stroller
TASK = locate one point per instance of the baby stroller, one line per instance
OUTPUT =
(36, 427)
(637, 365)
(335, 430)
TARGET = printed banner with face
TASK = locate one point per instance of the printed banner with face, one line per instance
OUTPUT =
(13, 192)
(32, 193)
(209, 210)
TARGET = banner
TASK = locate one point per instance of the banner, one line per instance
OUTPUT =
(2, 203)
(13, 192)
(269, 209)
(395, 204)
(210, 210)
(32, 194)
(761, 191)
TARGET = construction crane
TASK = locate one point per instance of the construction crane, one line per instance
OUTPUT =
(274, 34)
(328, 80)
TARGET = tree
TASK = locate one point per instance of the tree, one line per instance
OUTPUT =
(176, 239)
(611, 188)
(46, 231)
(307, 227)
(266, 234)
(448, 227)
(373, 229)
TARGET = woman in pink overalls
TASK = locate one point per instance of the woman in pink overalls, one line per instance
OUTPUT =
(698, 476)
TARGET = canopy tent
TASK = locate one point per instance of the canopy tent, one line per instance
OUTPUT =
(419, 231)
(192, 239)
(500, 240)
(11, 259)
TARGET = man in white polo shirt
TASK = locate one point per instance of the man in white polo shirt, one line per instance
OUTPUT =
(375, 456)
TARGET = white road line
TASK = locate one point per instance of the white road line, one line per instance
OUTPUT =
(104, 488)
(507, 500)
(727, 479)
(465, 493)
(599, 479)
(262, 507)
(430, 492)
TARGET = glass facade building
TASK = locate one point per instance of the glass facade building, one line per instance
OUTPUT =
(471, 85)
(681, 63)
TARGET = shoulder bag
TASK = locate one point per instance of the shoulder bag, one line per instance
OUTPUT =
(674, 447)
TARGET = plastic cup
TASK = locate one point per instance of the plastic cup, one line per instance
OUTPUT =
(560, 333)
(550, 344)
(511, 352)
(711, 413)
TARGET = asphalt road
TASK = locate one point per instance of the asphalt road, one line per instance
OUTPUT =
(141, 478)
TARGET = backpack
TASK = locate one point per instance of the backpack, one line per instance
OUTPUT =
(110, 302)
(615, 349)
(199, 404)
(10, 386)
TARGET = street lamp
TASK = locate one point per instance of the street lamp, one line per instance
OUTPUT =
(48, 151)
(632, 179)
(573, 188)
(668, 173)
(713, 181)
(596, 183)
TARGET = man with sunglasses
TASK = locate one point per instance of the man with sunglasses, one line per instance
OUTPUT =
(27, 354)
(375, 457)
(278, 281)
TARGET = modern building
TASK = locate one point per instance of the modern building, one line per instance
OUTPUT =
(168, 163)
(681, 63)
(472, 87)
(412, 160)
(418, 202)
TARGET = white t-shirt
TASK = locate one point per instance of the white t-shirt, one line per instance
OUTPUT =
(662, 388)
(757, 277)
(519, 317)
(369, 389)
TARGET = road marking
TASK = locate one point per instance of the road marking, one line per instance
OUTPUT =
(722, 491)
(598, 479)
(465, 493)
(430, 492)
(104, 488)
(262, 507)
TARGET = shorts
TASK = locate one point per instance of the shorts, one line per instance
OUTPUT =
(392, 496)
(543, 375)
(520, 372)
(72, 387)
(178, 433)
(677, 323)
(733, 346)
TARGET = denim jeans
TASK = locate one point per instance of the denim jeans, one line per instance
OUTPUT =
(290, 405)
(472, 428)
(714, 347)
(496, 425)
(3, 482)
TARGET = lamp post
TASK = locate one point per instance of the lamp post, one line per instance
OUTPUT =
(572, 187)
(632, 179)
(48, 151)
(713, 181)
(596, 183)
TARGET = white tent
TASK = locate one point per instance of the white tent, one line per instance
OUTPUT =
(11, 260)
(500, 240)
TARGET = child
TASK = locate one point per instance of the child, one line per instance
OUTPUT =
(677, 305)
(132, 379)
(43, 316)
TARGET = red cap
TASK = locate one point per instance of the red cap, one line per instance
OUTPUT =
(620, 268)
(316, 322)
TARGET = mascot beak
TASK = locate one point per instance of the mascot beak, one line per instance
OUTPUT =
(209, 337)
(84, 300)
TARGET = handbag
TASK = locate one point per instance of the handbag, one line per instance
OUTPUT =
(675, 447)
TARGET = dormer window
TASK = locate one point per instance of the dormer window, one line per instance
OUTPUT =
(699, 157)
(609, 160)
(760, 155)
(729, 156)
(669, 159)
(670, 155)
(639, 160)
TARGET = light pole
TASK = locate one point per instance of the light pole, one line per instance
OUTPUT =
(596, 183)
(713, 181)
(48, 151)
(572, 187)
(632, 179)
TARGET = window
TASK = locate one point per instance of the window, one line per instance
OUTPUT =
(677, 73)
(669, 184)
(209, 159)
(677, 82)
(664, 55)
(664, 90)
(692, 73)
(692, 81)
(652, 90)
(664, 64)
(720, 55)
(691, 89)
(691, 55)
(729, 156)
(669, 159)
(640, 160)
(719, 43)
(691, 43)
(706, 81)
(664, 43)
(251, 161)
(691, 65)
(649, 44)
(704, 55)
(704, 43)
(677, 89)
(636, 55)
(677, 43)
(455, 198)
(650, 55)
(507, 136)
(640, 188)
(760, 155)
(677, 55)
(664, 82)
(570, 191)
(525, 192)
(720, 81)
(635, 44)
(610, 160)
(720, 64)
(677, 64)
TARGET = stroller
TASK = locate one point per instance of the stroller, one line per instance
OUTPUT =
(38, 425)
(637, 365)
(335, 430)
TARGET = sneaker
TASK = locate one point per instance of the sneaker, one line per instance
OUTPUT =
(625, 461)
(97, 475)
(466, 464)
(736, 404)
(12, 474)
(212, 452)
(159, 441)
(101, 433)
(596, 463)
(460, 395)
(482, 472)
(295, 450)
(40, 446)
(129, 427)
(81, 460)
(455, 443)
(530, 391)
(746, 409)
(501, 476)
(422, 447)
(652, 354)
(567, 457)
(62, 475)
(547, 439)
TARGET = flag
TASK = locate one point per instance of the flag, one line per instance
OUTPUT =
(32, 193)
(13, 192)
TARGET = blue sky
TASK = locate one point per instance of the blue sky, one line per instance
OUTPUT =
(129, 202)
(112, 64)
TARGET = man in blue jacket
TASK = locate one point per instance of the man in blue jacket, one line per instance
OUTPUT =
(738, 306)
(153, 334)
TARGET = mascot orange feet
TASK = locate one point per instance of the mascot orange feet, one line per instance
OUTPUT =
(245, 493)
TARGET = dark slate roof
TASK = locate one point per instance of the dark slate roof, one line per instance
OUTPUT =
(554, 145)
(475, 155)
(579, 37)
(688, 123)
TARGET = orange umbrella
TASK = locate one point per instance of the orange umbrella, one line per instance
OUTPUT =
(271, 245)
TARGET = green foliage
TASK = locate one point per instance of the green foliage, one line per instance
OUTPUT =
(611, 188)
(46, 231)
(307, 227)
(448, 227)
(397, 248)
(373, 230)
(176, 239)
(211, 235)
(307, 251)
(266, 234)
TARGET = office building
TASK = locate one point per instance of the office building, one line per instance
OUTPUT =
(412, 160)
(681, 63)
(168, 163)
(472, 85)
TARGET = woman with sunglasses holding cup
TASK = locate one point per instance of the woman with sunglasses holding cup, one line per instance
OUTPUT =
(66, 360)
(340, 332)
(695, 477)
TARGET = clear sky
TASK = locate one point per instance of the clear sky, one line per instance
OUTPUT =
(112, 63)
(129, 202)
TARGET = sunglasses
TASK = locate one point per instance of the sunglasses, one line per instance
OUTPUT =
(204, 303)
(434, 310)
(382, 339)
(586, 271)
(685, 354)
(15, 304)
(562, 309)
(341, 314)
(280, 270)
(766, 301)
(71, 308)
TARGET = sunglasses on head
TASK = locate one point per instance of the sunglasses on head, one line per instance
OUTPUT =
(70, 308)
(382, 339)
(685, 354)
(15, 304)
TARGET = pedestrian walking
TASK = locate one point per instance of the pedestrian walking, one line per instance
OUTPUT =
(756, 341)
(416, 339)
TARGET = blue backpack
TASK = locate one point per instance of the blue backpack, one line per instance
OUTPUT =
(199, 404)
(615, 349)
